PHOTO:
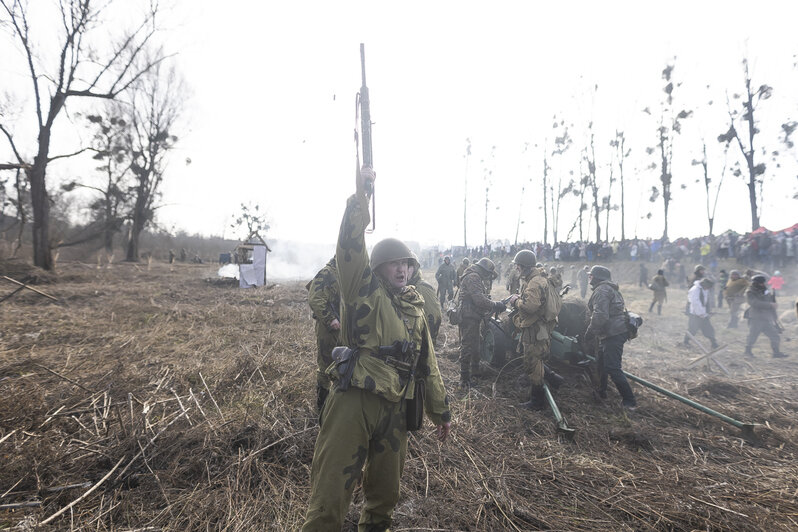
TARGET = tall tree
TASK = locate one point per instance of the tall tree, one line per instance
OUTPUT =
(621, 153)
(81, 70)
(590, 160)
(745, 113)
(111, 143)
(487, 178)
(670, 125)
(157, 101)
(711, 203)
(467, 157)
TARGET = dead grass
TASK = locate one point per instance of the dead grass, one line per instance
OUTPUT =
(199, 398)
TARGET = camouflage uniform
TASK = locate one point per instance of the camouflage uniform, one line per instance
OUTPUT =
(446, 277)
(460, 271)
(513, 281)
(762, 318)
(608, 324)
(432, 310)
(475, 305)
(324, 299)
(658, 284)
(735, 296)
(535, 332)
(366, 425)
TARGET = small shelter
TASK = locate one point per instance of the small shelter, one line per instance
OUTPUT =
(250, 255)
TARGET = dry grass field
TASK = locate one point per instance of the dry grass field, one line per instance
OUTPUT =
(162, 399)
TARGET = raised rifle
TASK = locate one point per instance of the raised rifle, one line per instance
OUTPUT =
(364, 111)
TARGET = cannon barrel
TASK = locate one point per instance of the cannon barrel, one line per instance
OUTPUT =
(566, 349)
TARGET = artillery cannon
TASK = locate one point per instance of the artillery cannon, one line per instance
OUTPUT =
(567, 348)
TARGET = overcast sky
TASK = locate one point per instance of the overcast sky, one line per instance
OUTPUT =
(271, 117)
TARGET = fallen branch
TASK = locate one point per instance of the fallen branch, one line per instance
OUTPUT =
(65, 378)
(88, 492)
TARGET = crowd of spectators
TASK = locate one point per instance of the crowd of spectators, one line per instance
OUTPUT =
(763, 249)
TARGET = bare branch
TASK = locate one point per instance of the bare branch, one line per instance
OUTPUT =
(13, 145)
(66, 155)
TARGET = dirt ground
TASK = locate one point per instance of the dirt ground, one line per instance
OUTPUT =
(163, 399)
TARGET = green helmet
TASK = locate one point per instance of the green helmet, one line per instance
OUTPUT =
(600, 273)
(525, 258)
(487, 266)
(388, 250)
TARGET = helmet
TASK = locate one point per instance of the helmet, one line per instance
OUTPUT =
(414, 261)
(698, 267)
(525, 258)
(600, 273)
(388, 250)
(447, 259)
(734, 273)
(466, 261)
(487, 266)
(758, 279)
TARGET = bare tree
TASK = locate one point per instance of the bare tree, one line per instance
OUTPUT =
(251, 218)
(111, 143)
(621, 153)
(80, 71)
(157, 101)
(711, 209)
(467, 157)
(670, 125)
(590, 160)
(745, 113)
(487, 178)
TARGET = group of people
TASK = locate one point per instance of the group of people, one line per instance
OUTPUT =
(753, 288)
(376, 322)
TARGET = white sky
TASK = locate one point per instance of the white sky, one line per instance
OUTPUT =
(272, 110)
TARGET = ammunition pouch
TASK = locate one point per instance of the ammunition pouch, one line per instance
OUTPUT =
(345, 359)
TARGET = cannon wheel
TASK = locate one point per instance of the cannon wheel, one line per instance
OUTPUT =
(496, 345)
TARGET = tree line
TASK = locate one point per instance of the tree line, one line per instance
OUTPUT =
(570, 169)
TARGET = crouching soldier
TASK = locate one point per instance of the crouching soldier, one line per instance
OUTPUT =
(761, 315)
(376, 382)
(608, 325)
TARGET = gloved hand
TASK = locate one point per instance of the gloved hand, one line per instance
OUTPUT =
(499, 307)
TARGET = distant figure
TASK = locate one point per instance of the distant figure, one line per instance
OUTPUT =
(582, 276)
(446, 276)
(735, 295)
(171, 256)
(762, 318)
(643, 281)
(698, 316)
(658, 284)
(776, 282)
(723, 280)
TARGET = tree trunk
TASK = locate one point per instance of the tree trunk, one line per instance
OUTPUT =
(545, 203)
(40, 203)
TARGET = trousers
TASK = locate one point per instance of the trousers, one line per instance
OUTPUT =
(360, 433)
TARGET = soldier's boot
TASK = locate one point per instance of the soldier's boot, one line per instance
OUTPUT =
(537, 398)
(748, 352)
(628, 400)
(553, 379)
(774, 345)
(651, 307)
